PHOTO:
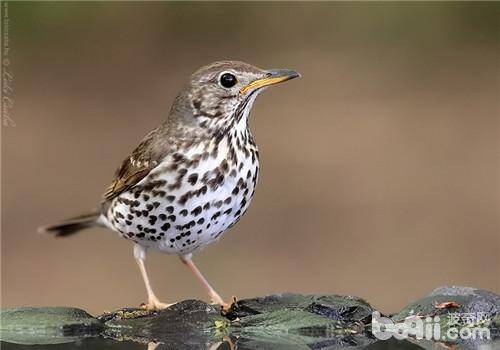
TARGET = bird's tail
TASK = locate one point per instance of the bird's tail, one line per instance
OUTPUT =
(73, 225)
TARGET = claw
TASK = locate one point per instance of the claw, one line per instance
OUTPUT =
(153, 345)
(225, 307)
(155, 305)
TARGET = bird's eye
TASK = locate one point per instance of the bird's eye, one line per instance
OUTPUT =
(228, 80)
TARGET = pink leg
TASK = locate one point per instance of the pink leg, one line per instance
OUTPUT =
(153, 302)
(216, 299)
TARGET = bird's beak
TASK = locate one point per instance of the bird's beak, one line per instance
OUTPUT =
(273, 76)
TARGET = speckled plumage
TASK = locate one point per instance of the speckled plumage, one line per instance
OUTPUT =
(193, 177)
(191, 197)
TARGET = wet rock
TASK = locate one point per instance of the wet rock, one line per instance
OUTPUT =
(193, 321)
(334, 307)
(46, 325)
(474, 312)
(311, 321)
(464, 301)
(275, 322)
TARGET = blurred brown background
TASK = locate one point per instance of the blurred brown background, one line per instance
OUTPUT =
(380, 170)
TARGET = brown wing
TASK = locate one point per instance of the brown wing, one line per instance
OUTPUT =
(143, 159)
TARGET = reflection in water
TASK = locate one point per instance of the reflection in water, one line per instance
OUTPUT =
(242, 343)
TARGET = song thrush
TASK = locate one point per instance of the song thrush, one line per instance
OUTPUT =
(191, 178)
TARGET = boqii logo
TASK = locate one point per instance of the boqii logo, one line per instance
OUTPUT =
(429, 328)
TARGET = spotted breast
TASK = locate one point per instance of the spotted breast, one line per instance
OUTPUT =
(191, 197)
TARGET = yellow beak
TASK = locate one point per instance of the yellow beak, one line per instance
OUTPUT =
(274, 76)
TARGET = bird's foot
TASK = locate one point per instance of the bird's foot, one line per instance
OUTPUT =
(153, 345)
(225, 307)
(154, 305)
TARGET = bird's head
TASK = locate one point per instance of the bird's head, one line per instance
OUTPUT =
(220, 95)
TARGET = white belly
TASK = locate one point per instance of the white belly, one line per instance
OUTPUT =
(186, 214)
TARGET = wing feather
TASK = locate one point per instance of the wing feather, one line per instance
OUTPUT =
(145, 157)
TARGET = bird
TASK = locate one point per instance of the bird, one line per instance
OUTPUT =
(190, 179)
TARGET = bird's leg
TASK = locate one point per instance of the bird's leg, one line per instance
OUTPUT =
(214, 296)
(153, 302)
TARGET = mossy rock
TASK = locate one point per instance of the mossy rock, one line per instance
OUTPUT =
(194, 320)
(446, 300)
(46, 325)
(302, 321)
(275, 322)
(456, 308)
(285, 320)
(334, 307)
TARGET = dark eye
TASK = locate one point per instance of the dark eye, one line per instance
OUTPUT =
(228, 80)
